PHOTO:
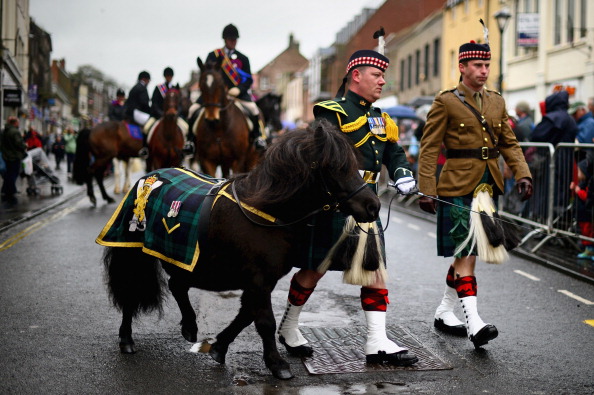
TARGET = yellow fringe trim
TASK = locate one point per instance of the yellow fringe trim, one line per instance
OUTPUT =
(391, 128)
(355, 125)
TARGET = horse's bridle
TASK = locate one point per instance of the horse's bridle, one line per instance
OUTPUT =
(326, 207)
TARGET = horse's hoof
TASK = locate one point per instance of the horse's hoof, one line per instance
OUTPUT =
(218, 352)
(190, 333)
(110, 200)
(282, 373)
(93, 201)
(127, 348)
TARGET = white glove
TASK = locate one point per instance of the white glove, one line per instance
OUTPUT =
(405, 185)
(234, 91)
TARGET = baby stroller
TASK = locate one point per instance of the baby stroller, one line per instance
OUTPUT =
(38, 171)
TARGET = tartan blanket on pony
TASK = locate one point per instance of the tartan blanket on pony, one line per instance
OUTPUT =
(161, 213)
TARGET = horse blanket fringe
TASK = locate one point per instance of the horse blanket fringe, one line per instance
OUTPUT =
(161, 213)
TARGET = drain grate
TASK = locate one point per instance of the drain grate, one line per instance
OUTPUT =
(340, 350)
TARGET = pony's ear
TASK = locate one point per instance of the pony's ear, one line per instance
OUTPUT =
(321, 133)
(200, 64)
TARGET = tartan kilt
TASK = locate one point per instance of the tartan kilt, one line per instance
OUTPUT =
(325, 230)
(453, 223)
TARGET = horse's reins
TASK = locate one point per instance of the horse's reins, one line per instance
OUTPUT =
(326, 207)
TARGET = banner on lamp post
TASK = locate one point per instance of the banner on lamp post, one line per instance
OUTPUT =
(528, 26)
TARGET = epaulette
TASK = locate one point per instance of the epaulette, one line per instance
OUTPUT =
(447, 90)
(493, 91)
(330, 105)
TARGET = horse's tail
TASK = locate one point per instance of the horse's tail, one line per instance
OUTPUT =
(82, 157)
(134, 280)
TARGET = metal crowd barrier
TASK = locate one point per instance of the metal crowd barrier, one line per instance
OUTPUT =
(552, 210)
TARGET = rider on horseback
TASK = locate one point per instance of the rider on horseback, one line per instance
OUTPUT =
(138, 108)
(157, 109)
(238, 78)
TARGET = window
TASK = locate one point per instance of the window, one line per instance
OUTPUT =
(409, 73)
(570, 20)
(557, 23)
(436, 59)
(417, 67)
(402, 73)
(426, 65)
(583, 11)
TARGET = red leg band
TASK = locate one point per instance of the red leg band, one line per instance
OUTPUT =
(298, 294)
(466, 286)
(374, 299)
(451, 277)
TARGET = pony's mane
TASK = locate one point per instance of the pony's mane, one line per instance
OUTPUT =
(289, 163)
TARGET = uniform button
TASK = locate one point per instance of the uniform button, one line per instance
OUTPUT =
(486, 140)
(372, 142)
(376, 152)
(484, 129)
(461, 125)
(377, 162)
(499, 125)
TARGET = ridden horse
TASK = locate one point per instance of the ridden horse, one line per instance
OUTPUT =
(95, 150)
(167, 140)
(303, 173)
(221, 130)
(270, 108)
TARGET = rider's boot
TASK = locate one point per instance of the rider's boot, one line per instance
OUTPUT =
(289, 334)
(478, 331)
(378, 348)
(256, 134)
(445, 320)
(143, 153)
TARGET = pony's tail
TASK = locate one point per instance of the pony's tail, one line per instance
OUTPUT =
(134, 280)
(82, 157)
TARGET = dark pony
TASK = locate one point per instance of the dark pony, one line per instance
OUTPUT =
(303, 173)
(167, 140)
(95, 150)
(270, 107)
(222, 132)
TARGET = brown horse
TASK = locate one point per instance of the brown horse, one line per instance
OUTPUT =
(167, 140)
(95, 150)
(222, 132)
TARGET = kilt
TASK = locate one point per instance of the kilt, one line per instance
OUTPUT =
(325, 230)
(453, 223)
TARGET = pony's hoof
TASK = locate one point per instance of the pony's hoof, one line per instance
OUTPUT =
(110, 200)
(218, 352)
(127, 348)
(190, 333)
(282, 373)
(93, 201)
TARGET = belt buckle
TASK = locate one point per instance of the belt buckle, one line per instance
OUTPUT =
(485, 153)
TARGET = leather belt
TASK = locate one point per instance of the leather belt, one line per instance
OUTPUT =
(473, 153)
(370, 177)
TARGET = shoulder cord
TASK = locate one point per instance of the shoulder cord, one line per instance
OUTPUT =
(478, 116)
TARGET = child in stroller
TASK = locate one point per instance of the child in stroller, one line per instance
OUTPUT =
(37, 169)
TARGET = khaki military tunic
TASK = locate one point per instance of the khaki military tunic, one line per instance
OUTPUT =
(450, 122)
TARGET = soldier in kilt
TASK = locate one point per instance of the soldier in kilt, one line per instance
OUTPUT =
(375, 135)
(473, 148)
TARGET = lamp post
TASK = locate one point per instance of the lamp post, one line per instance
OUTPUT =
(502, 17)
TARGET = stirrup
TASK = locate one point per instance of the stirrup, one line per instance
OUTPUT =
(143, 153)
(188, 148)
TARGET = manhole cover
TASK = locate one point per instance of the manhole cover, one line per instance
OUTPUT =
(340, 350)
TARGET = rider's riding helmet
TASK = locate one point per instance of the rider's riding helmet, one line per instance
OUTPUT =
(168, 72)
(120, 92)
(230, 32)
(144, 75)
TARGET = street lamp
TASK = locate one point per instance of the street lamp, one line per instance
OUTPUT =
(502, 17)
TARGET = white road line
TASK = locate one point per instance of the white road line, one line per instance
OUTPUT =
(413, 226)
(576, 297)
(397, 220)
(432, 235)
(527, 275)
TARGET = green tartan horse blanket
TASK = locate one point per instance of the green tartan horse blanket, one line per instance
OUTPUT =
(161, 214)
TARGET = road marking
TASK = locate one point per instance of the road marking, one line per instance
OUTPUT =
(397, 220)
(589, 322)
(432, 235)
(413, 226)
(34, 228)
(576, 297)
(527, 275)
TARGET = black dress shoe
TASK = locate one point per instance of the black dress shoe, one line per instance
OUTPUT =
(401, 358)
(299, 351)
(482, 337)
(456, 330)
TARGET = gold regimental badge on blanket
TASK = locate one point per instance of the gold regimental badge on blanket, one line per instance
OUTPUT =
(143, 190)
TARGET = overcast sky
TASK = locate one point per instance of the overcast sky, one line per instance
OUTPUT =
(123, 37)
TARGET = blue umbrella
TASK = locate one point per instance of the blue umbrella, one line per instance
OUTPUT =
(401, 112)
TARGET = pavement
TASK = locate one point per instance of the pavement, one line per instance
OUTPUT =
(556, 254)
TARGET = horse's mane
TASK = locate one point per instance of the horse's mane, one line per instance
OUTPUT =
(288, 164)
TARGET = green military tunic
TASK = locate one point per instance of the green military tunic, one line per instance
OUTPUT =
(375, 135)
